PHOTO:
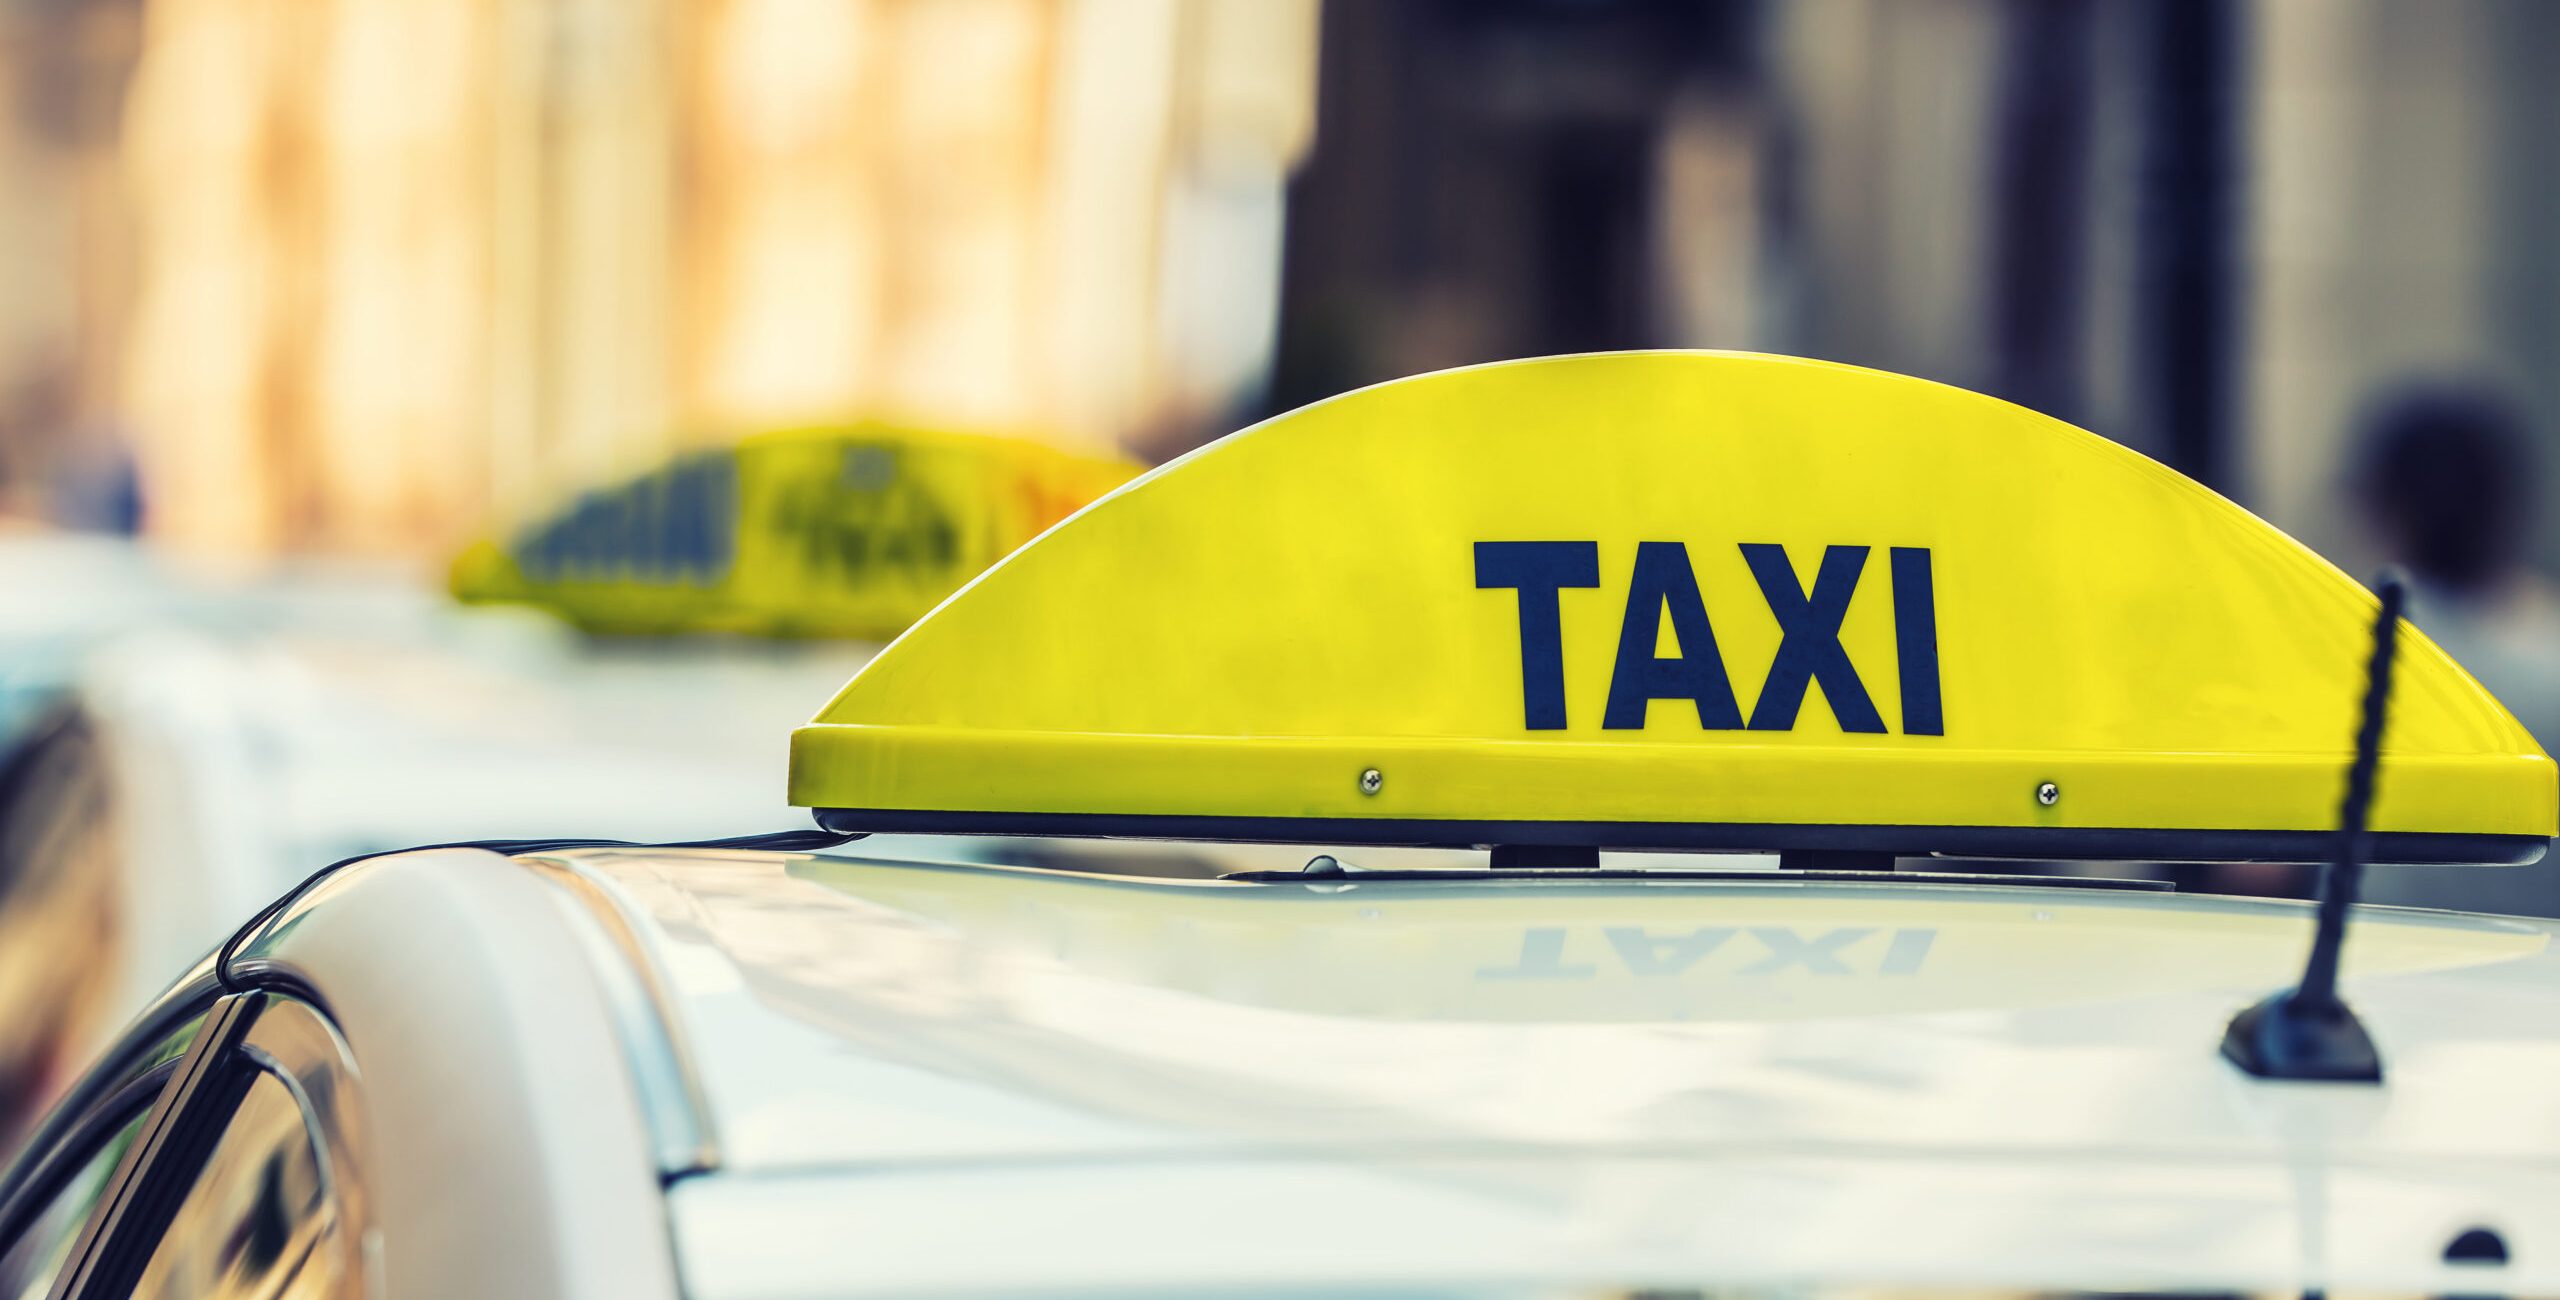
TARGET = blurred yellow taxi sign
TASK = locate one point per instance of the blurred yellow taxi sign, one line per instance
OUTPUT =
(1670, 600)
(852, 531)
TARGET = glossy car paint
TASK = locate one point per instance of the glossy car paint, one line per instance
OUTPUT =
(1156, 1084)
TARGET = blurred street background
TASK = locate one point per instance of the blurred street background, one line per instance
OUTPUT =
(349, 277)
(300, 299)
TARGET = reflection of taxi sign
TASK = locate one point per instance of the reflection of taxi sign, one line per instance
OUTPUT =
(1753, 947)
(1670, 600)
(851, 532)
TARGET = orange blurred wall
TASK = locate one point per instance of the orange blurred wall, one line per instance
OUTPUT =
(393, 264)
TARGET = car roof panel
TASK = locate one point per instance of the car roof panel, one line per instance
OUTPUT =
(849, 1012)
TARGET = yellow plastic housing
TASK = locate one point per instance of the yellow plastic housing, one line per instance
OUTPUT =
(2000, 634)
(852, 531)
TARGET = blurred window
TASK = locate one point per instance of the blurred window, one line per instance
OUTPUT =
(28, 1269)
(57, 911)
(264, 1218)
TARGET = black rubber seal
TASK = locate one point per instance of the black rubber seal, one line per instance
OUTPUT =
(2034, 842)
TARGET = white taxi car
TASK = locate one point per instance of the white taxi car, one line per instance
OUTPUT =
(1553, 610)
(176, 747)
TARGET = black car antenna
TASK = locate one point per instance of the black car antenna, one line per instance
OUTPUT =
(2308, 1032)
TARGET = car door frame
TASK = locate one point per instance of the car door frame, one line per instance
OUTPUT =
(243, 1036)
(124, 1085)
(510, 1068)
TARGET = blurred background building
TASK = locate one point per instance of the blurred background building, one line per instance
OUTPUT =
(346, 276)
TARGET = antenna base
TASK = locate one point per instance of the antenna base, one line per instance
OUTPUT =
(2286, 1037)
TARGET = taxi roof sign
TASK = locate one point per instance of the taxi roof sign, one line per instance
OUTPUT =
(1670, 600)
(841, 530)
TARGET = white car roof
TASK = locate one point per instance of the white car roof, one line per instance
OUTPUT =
(353, 717)
(1169, 1083)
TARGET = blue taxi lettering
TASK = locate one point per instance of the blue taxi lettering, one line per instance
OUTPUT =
(672, 528)
(1664, 584)
(1647, 953)
(1915, 641)
(873, 521)
(1908, 949)
(1775, 950)
(1541, 958)
(1539, 570)
(1809, 648)
(1663, 581)
(1788, 950)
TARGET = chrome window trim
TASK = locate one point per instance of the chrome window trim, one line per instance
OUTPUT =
(177, 1136)
(247, 1035)
(294, 1042)
(33, 1189)
(673, 1102)
(159, 1036)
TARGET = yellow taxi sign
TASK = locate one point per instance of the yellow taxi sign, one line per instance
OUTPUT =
(1675, 600)
(841, 531)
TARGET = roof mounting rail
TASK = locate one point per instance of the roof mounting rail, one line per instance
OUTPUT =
(2309, 1032)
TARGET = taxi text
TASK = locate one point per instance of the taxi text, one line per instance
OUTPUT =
(1663, 583)
(1554, 952)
